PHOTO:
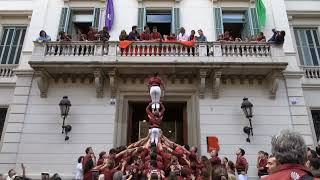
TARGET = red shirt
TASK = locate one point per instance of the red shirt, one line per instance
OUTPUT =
(263, 163)
(155, 121)
(87, 174)
(145, 36)
(155, 36)
(155, 81)
(215, 161)
(241, 164)
(108, 173)
(288, 172)
(92, 35)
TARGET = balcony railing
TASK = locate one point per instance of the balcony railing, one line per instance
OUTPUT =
(164, 49)
(312, 72)
(6, 71)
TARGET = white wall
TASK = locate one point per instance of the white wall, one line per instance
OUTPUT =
(42, 146)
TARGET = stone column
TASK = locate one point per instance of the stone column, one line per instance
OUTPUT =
(297, 106)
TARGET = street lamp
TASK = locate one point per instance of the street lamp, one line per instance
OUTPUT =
(64, 109)
(247, 106)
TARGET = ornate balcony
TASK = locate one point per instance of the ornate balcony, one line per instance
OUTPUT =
(311, 76)
(7, 76)
(187, 60)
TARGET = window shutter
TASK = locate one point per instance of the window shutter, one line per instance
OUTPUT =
(64, 19)
(96, 18)
(246, 32)
(218, 21)
(254, 24)
(177, 20)
(141, 19)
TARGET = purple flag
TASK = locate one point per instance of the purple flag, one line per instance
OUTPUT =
(109, 14)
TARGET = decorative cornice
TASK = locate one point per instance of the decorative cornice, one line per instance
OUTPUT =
(216, 84)
(99, 82)
(43, 82)
(202, 74)
(112, 78)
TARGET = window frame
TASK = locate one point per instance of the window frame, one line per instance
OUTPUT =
(4, 124)
(302, 62)
(311, 122)
(16, 26)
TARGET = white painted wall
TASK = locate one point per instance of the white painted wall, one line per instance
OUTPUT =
(42, 146)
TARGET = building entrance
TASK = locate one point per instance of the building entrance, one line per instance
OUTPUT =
(173, 126)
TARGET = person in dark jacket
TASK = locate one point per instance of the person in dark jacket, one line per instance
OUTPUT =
(277, 37)
(134, 35)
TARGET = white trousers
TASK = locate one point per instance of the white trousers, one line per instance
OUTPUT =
(242, 177)
(155, 134)
(155, 94)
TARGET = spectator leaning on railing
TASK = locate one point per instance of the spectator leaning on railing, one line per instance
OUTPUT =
(43, 37)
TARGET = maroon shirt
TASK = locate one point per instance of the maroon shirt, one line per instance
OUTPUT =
(154, 120)
(155, 36)
(288, 171)
(155, 81)
(263, 163)
(108, 173)
(241, 164)
(145, 36)
(215, 161)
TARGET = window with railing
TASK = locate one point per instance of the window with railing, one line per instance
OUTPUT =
(316, 122)
(308, 46)
(11, 44)
(3, 113)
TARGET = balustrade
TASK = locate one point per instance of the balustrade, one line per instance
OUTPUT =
(6, 71)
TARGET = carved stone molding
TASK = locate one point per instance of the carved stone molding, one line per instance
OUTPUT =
(203, 74)
(99, 82)
(216, 84)
(112, 78)
(43, 82)
(273, 80)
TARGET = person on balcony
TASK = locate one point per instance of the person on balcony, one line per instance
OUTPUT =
(155, 84)
(92, 35)
(134, 35)
(201, 37)
(277, 37)
(145, 35)
(192, 36)
(123, 35)
(43, 37)
(81, 36)
(104, 34)
(63, 37)
(261, 37)
(155, 35)
(182, 35)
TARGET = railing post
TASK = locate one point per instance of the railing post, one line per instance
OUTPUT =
(112, 48)
(217, 51)
(39, 49)
(98, 49)
(203, 49)
(276, 50)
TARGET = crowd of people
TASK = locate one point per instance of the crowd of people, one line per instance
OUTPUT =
(168, 160)
(147, 35)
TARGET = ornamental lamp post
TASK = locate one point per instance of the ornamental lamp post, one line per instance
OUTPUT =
(64, 110)
(247, 106)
